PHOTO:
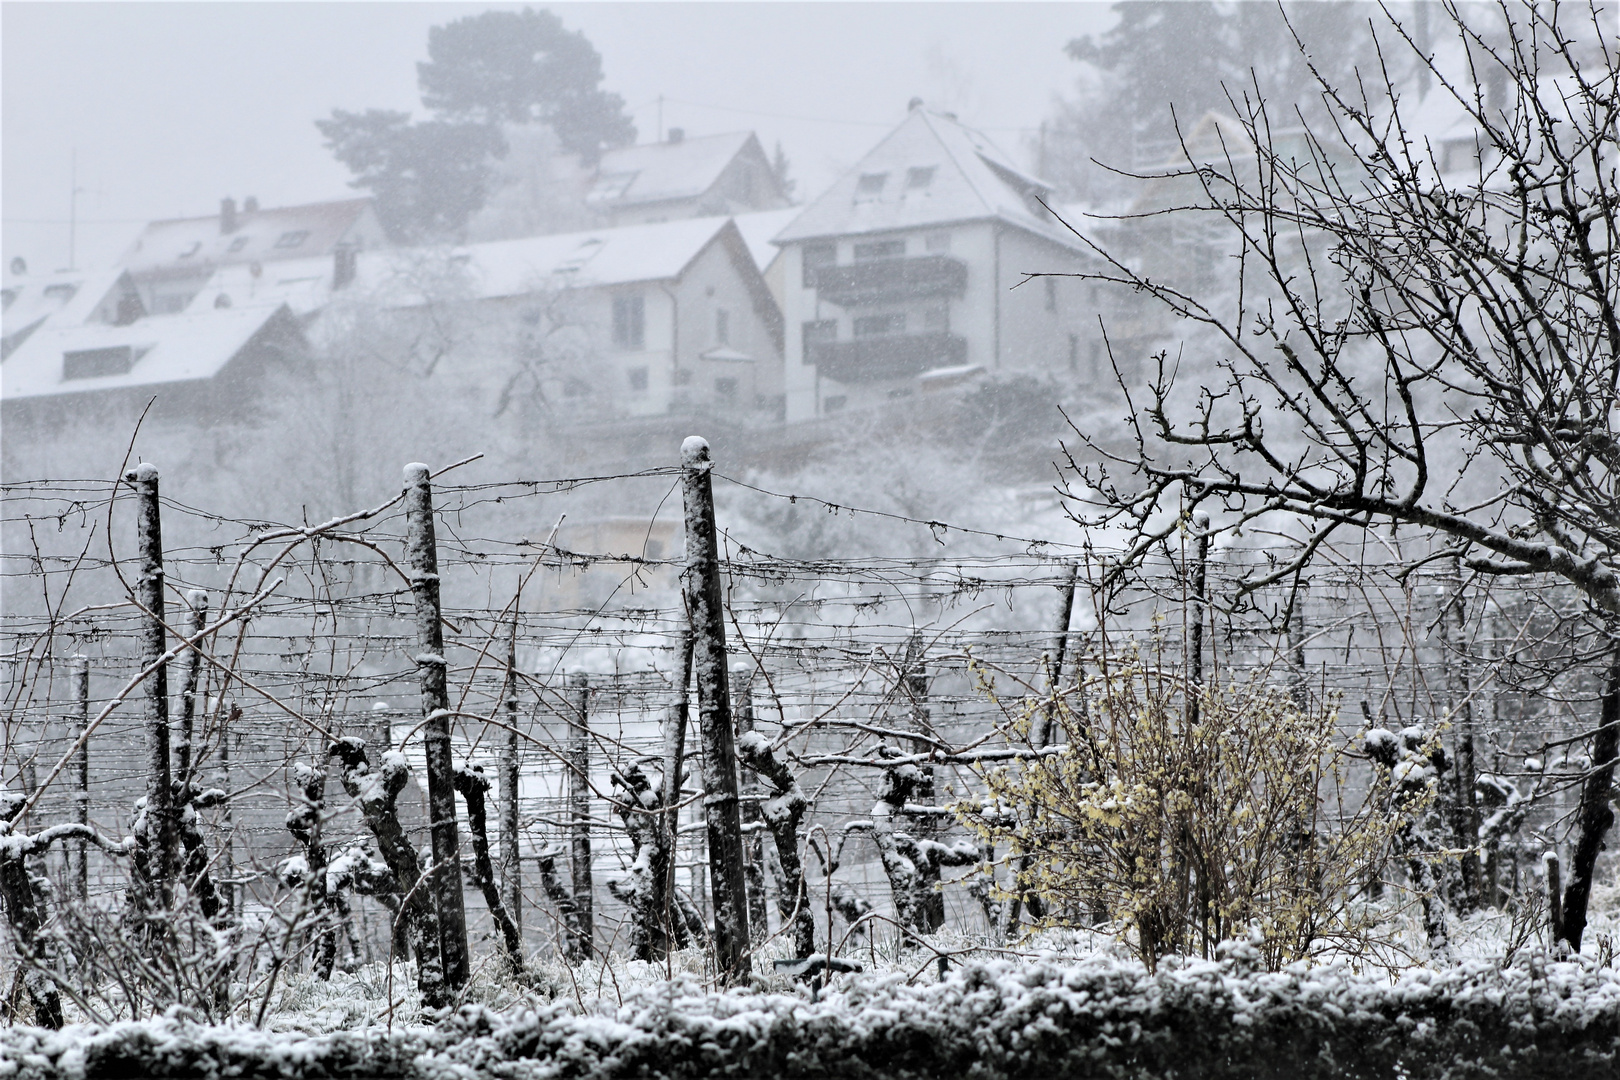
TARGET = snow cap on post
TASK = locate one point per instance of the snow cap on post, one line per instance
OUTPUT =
(197, 598)
(695, 452)
(144, 473)
(416, 473)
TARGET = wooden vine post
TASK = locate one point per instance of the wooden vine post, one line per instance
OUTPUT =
(579, 810)
(752, 817)
(441, 778)
(706, 615)
(81, 777)
(511, 859)
(162, 833)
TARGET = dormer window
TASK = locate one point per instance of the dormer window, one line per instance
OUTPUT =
(919, 177)
(870, 186)
(196, 246)
(292, 239)
(237, 245)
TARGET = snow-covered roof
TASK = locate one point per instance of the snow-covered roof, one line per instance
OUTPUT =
(64, 359)
(187, 245)
(67, 297)
(304, 285)
(759, 227)
(513, 267)
(931, 170)
(655, 172)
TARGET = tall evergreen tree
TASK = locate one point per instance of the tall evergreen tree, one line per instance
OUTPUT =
(483, 72)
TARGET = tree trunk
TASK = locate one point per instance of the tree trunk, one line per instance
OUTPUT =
(562, 896)
(305, 825)
(160, 811)
(579, 812)
(474, 785)
(510, 778)
(1060, 645)
(431, 668)
(376, 793)
(1465, 800)
(930, 901)
(706, 613)
(753, 821)
(1595, 815)
(783, 813)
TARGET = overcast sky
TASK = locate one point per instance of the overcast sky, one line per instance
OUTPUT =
(171, 106)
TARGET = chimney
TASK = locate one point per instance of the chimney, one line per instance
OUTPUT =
(345, 262)
(677, 134)
(914, 104)
(250, 205)
(227, 216)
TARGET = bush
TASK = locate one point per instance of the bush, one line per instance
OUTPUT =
(1187, 819)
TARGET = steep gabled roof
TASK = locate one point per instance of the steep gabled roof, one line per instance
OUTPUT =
(656, 172)
(757, 230)
(933, 171)
(160, 350)
(191, 245)
(633, 253)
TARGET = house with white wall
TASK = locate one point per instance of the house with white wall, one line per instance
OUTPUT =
(638, 321)
(909, 273)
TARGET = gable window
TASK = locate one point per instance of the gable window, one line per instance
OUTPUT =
(722, 326)
(629, 323)
(878, 325)
(237, 245)
(638, 379)
(880, 249)
(870, 185)
(919, 177)
(97, 363)
(815, 256)
(292, 239)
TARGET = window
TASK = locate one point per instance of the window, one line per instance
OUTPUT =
(815, 333)
(1074, 353)
(61, 293)
(834, 403)
(878, 325)
(939, 241)
(817, 255)
(638, 379)
(919, 177)
(870, 186)
(629, 323)
(292, 239)
(96, 363)
(880, 249)
(1051, 294)
(237, 245)
(725, 387)
(8, 297)
(682, 377)
(722, 326)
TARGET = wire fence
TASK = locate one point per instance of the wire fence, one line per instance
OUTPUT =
(843, 659)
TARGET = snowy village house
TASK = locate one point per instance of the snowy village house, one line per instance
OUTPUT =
(901, 276)
(637, 321)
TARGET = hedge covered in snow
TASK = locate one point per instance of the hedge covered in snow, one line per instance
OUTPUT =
(1099, 1018)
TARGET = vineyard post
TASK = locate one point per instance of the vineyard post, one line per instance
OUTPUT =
(511, 860)
(431, 668)
(1198, 609)
(579, 808)
(1060, 647)
(706, 613)
(197, 602)
(149, 595)
(81, 793)
(753, 820)
(674, 761)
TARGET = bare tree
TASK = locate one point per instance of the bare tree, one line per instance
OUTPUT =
(1421, 329)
